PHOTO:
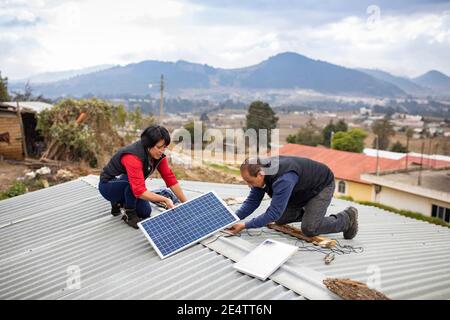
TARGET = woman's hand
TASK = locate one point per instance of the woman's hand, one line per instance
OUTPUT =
(176, 189)
(169, 203)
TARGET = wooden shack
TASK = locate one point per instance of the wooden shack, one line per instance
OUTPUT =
(18, 136)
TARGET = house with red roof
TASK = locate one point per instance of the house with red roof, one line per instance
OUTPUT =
(370, 178)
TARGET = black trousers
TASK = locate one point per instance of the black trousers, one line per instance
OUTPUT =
(312, 215)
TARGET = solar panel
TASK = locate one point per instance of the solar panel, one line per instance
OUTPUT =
(182, 226)
(262, 261)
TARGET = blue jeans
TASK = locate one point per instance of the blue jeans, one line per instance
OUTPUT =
(119, 191)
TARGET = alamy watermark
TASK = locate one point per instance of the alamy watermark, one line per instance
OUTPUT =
(73, 281)
(374, 279)
(374, 17)
(230, 146)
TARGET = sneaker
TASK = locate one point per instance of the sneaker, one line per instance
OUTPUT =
(115, 209)
(131, 218)
(352, 230)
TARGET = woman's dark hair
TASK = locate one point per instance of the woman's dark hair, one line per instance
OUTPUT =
(153, 134)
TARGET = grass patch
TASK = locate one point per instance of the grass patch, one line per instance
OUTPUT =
(180, 173)
(347, 198)
(405, 213)
(225, 169)
(16, 189)
(22, 187)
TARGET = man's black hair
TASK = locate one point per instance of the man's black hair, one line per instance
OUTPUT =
(153, 134)
(253, 166)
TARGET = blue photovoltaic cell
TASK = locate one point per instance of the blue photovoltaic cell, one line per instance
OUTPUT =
(188, 223)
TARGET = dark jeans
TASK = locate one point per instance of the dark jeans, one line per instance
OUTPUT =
(312, 215)
(119, 191)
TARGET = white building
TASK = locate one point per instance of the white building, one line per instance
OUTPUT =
(383, 154)
(402, 191)
(365, 111)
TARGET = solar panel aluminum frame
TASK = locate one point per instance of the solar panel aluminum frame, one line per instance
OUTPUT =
(192, 243)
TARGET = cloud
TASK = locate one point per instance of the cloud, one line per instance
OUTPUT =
(49, 35)
(394, 43)
(9, 21)
(17, 15)
(19, 61)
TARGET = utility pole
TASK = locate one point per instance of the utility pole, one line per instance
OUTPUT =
(435, 152)
(161, 103)
(378, 157)
(419, 178)
(429, 150)
(409, 134)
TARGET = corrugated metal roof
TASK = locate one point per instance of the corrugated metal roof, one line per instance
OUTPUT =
(408, 257)
(35, 106)
(45, 232)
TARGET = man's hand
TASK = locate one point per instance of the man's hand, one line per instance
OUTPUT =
(236, 228)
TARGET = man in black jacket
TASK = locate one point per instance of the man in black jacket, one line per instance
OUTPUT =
(301, 190)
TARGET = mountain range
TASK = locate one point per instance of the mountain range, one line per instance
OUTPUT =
(47, 77)
(285, 71)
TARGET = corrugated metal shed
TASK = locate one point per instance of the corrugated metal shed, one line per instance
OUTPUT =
(44, 234)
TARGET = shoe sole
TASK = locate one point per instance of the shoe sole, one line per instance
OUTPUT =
(355, 222)
(124, 218)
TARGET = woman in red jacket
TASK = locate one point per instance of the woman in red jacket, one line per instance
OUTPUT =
(122, 181)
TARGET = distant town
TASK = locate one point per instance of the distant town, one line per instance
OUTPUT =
(378, 128)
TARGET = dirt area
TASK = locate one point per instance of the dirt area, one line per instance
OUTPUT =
(9, 173)
(439, 145)
(205, 174)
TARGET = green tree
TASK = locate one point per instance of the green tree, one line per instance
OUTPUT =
(120, 116)
(331, 128)
(136, 117)
(327, 132)
(291, 138)
(446, 148)
(204, 117)
(409, 133)
(308, 134)
(27, 95)
(352, 140)
(261, 116)
(384, 131)
(399, 147)
(148, 121)
(93, 140)
(190, 128)
(4, 96)
(341, 125)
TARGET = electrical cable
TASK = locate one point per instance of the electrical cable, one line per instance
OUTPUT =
(340, 249)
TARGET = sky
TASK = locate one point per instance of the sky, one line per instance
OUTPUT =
(405, 38)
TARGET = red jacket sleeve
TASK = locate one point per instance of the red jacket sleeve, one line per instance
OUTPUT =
(166, 173)
(133, 165)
